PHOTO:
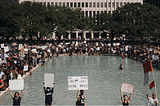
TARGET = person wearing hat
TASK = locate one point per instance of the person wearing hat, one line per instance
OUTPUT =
(48, 95)
(16, 97)
(152, 101)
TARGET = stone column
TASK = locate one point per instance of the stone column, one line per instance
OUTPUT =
(69, 36)
(54, 36)
(92, 35)
(76, 34)
(84, 34)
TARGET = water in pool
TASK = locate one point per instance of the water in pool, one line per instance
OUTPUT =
(104, 78)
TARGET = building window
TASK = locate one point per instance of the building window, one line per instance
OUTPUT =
(97, 4)
(56, 3)
(48, 3)
(124, 3)
(86, 13)
(120, 4)
(90, 4)
(75, 4)
(109, 4)
(44, 3)
(94, 14)
(113, 4)
(86, 4)
(63, 3)
(59, 3)
(79, 4)
(67, 4)
(101, 4)
(82, 4)
(94, 4)
(101, 12)
(71, 4)
(52, 3)
(90, 13)
(117, 4)
(105, 4)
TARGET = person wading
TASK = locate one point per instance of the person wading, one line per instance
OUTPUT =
(125, 100)
(80, 98)
(48, 95)
(152, 101)
(16, 97)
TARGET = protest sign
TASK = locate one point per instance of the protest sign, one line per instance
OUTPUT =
(155, 57)
(2, 45)
(16, 84)
(77, 82)
(6, 48)
(128, 88)
(48, 80)
(25, 68)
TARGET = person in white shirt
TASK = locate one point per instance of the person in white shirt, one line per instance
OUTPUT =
(152, 101)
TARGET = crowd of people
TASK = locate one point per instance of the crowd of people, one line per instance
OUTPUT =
(16, 56)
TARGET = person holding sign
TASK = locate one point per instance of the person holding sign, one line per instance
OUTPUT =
(16, 97)
(80, 98)
(48, 95)
(152, 101)
(125, 100)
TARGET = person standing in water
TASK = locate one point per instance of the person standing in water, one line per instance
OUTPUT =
(125, 100)
(48, 95)
(152, 101)
(16, 97)
(80, 98)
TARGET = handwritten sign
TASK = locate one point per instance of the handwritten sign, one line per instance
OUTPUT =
(25, 68)
(128, 88)
(2, 45)
(6, 48)
(16, 84)
(48, 80)
(77, 82)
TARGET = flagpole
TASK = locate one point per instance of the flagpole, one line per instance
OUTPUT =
(154, 82)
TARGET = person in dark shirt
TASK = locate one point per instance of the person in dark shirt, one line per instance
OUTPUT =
(80, 98)
(16, 97)
(124, 98)
(48, 95)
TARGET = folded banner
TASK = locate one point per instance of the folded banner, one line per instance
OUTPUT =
(128, 88)
(77, 82)
(146, 78)
(147, 66)
(151, 85)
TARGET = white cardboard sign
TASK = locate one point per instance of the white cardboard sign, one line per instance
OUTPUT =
(48, 80)
(2, 45)
(16, 84)
(25, 68)
(6, 48)
(128, 88)
(77, 82)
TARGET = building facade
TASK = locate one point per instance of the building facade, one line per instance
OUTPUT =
(154, 2)
(89, 7)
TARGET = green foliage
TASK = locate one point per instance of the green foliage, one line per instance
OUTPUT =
(32, 18)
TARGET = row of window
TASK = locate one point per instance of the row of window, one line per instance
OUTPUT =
(85, 4)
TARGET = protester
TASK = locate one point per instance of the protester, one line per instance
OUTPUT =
(125, 100)
(121, 66)
(16, 97)
(152, 101)
(80, 98)
(48, 95)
